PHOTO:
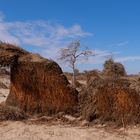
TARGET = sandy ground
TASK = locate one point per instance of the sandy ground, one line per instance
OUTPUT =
(28, 130)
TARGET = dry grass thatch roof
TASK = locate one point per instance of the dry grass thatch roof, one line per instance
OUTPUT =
(9, 53)
(110, 99)
(37, 84)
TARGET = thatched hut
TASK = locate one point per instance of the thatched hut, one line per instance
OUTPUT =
(110, 99)
(37, 84)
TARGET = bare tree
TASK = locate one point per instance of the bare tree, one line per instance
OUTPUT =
(72, 53)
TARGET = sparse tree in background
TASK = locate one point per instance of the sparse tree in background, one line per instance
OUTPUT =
(72, 53)
(112, 68)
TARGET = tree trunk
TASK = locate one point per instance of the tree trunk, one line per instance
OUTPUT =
(73, 78)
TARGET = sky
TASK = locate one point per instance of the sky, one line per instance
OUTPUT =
(109, 27)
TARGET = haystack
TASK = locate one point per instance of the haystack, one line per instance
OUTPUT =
(107, 99)
(113, 69)
(37, 84)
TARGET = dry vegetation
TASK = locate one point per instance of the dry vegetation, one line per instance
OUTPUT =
(110, 100)
(110, 95)
(60, 127)
(38, 86)
(113, 69)
(11, 113)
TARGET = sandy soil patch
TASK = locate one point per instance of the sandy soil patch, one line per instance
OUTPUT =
(24, 131)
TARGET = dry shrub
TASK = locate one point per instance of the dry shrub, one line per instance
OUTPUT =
(114, 69)
(11, 113)
(110, 100)
(91, 74)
